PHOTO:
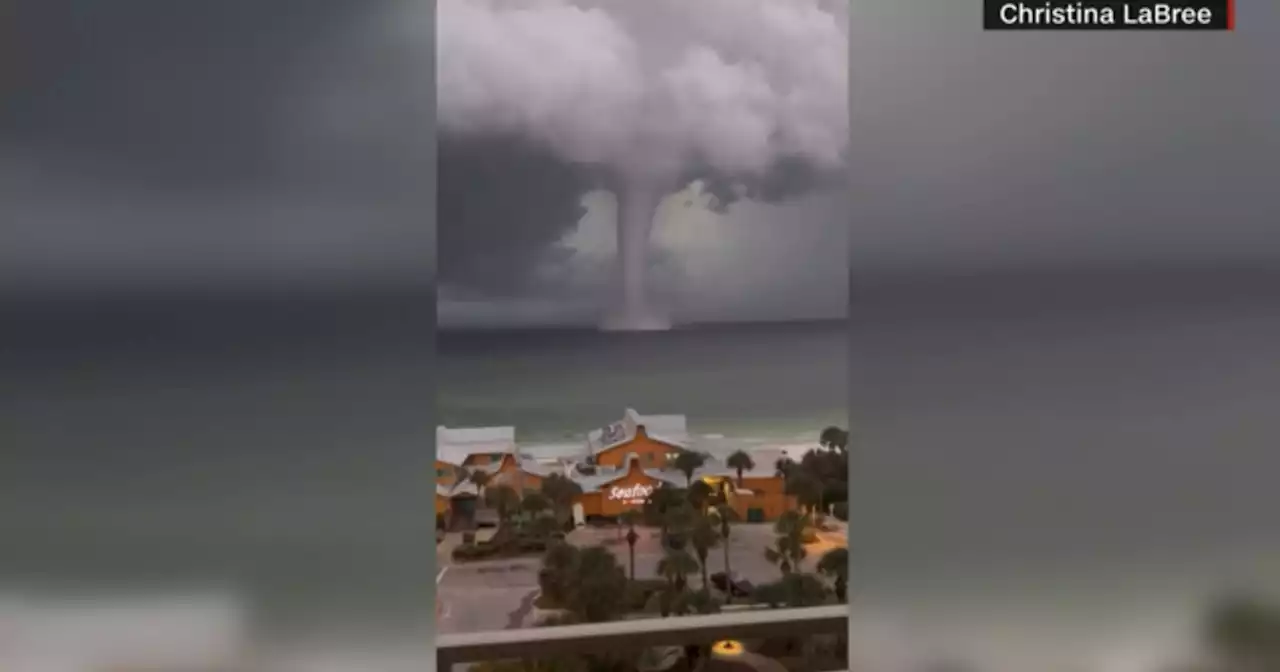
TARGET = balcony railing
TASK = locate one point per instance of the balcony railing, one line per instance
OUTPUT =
(606, 637)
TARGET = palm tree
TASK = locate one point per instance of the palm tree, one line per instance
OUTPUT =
(788, 549)
(659, 502)
(504, 499)
(783, 467)
(725, 515)
(534, 503)
(740, 461)
(835, 564)
(676, 524)
(700, 495)
(834, 438)
(561, 491)
(629, 518)
(675, 566)
(480, 479)
(703, 536)
(689, 461)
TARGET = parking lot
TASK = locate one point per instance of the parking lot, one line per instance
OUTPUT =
(483, 596)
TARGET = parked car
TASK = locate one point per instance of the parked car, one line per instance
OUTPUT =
(735, 586)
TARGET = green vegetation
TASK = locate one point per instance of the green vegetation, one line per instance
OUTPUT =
(480, 479)
(787, 551)
(589, 585)
(503, 499)
(740, 461)
(560, 492)
(689, 461)
(1243, 633)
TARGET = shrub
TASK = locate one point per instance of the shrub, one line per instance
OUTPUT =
(472, 552)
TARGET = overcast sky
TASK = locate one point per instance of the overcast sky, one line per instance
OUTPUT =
(239, 143)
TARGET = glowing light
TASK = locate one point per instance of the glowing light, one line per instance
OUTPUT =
(727, 647)
(633, 494)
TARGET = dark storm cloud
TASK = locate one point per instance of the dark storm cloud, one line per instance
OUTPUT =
(503, 203)
(746, 96)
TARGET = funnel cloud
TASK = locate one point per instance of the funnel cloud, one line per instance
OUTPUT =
(647, 97)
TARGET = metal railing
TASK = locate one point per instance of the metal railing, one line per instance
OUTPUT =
(605, 637)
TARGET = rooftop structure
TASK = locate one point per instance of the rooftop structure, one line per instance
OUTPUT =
(460, 445)
(670, 429)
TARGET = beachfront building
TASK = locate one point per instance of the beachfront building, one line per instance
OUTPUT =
(459, 453)
(618, 468)
(654, 439)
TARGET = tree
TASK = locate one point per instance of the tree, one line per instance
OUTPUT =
(803, 590)
(700, 495)
(740, 461)
(659, 502)
(504, 499)
(480, 479)
(806, 488)
(834, 438)
(598, 591)
(703, 536)
(725, 515)
(788, 550)
(556, 575)
(675, 566)
(783, 467)
(676, 523)
(629, 518)
(834, 564)
(534, 503)
(561, 491)
(587, 582)
(689, 461)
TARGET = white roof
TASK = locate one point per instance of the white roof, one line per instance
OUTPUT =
(455, 444)
(555, 452)
(671, 429)
(674, 426)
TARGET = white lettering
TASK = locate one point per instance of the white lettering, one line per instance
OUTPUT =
(1162, 14)
(1051, 14)
(634, 492)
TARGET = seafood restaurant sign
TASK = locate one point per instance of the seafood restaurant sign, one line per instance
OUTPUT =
(635, 494)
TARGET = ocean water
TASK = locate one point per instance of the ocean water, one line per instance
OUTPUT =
(765, 381)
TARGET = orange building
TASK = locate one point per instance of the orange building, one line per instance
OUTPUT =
(621, 465)
(608, 495)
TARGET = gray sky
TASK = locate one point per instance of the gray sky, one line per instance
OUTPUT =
(238, 143)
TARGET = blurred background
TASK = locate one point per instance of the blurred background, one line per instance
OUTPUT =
(216, 258)
(216, 344)
(1064, 334)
